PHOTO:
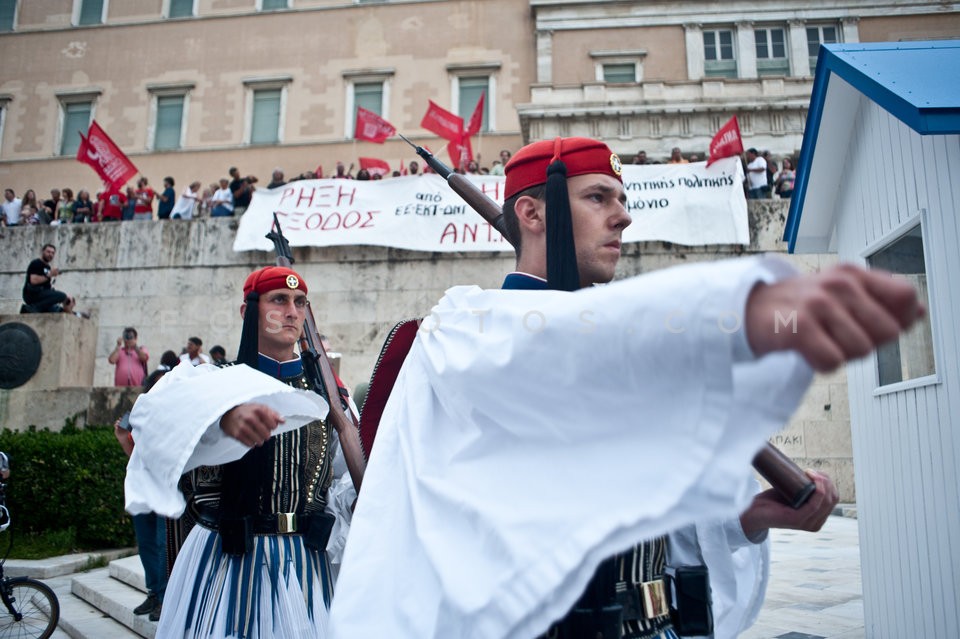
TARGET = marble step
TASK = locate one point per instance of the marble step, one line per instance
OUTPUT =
(80, 620)
(115, 598)
(129, 570)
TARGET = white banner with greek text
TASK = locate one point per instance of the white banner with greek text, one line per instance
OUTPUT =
(687, 204)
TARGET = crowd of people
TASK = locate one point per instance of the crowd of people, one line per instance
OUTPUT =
(764, 179)
(131, 360)
(230, 196)
(140, 203)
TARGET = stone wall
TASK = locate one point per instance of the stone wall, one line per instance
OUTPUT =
(172, 280)
(62, 387)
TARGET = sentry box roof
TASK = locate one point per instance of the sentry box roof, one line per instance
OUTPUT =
(916, 82)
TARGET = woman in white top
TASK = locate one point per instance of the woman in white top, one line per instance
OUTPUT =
(222, 200)
(183, 209)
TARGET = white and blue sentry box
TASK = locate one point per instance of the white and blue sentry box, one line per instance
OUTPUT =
(878, 182)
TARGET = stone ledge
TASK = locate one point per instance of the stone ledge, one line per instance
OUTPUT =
(68, 345)
(63, 565)
(50, 409)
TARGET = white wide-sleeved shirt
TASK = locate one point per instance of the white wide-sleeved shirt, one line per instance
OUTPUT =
(531, 434)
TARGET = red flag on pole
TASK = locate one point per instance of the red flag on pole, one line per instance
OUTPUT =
(440, 121)
(726, 142)
(461, 151)
(476, 120)
(105, 157)
(375, 166)
(88, 156)
(372, 127)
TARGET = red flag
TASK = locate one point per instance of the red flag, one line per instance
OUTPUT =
(460, 151)
(87, 155)
(476, 120)
(105, 157)
(440, 121)
(726, 142)
(375, 166)
(371, 126)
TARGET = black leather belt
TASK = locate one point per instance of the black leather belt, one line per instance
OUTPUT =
(314, 527)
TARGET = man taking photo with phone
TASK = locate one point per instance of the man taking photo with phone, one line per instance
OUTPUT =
(130, 360)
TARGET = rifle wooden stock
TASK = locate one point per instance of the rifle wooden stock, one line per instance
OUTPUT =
(784, 475)
(488, 209)
(779, 470)
(319, 370)
(347, 428)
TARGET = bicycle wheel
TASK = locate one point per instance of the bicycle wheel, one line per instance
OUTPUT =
(36, 602)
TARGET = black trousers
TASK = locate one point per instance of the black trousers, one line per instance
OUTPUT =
(48, 301)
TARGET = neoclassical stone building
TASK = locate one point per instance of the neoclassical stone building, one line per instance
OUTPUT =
(655, 75)
(189, 88)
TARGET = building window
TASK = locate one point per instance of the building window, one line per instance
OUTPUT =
(8, 15)
(77, 116)
(181, 9)
(89, 12)
(368, 95)
(467, 83)
(619, 73)
(270, 5)
(470, 90)
(817, 35)
(266, 102)
(622, 66)
(368, 88)
(265, 124)
(911, 355)
(169, 123)
(718, 53)
(771, 52)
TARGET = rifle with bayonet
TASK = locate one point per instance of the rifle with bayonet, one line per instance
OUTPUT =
(477, 199)
(783, 474)
(317, 368)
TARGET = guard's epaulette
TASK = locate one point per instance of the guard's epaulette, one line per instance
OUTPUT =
(384, 376)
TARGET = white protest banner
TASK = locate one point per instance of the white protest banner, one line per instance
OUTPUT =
(687, 204)
(682, 203)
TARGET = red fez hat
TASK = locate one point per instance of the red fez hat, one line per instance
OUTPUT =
(528, 167)
(271, 278)
(551, 162)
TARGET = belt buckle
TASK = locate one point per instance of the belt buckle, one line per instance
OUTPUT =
(654, 599)
(286, 523)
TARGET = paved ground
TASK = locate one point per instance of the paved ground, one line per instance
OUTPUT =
(814, 590)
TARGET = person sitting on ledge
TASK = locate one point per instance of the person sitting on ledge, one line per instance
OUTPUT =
(39, 296)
